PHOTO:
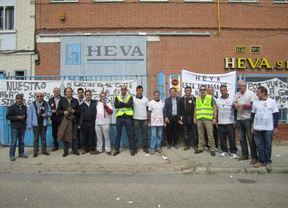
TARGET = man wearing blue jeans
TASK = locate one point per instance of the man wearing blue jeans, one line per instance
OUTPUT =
(124, 112)
(264, 117)
(17, 114)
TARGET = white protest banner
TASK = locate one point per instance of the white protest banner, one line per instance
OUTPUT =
(10, 88)
(111, 88)
(195, 80)
(277, 90)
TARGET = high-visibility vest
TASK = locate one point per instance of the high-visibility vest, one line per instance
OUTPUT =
(204, 110)
(121, 111)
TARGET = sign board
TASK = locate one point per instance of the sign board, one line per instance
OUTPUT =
(174, 81)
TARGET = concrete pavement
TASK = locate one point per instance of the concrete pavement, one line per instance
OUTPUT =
(173, 160)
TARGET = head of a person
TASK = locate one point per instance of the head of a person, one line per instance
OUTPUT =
(156, 95)
(80, 93)
(88, 95)
(39, 97)
(102, 95)
(202, 90)
(123, 90)
(223, 91)
(56, 92)
(262, 92)
(187, 91)
(68, 92)
(210, 91)
(241, 85)
(19, 99)
(173, 92)
(139, 90)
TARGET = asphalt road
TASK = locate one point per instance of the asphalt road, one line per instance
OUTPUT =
(74, 189)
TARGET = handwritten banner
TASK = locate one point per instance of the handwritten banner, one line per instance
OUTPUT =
(195, 80)
(277, 90)
(10, 88)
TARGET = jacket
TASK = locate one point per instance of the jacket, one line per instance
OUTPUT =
(63, 105)
(182, 110)
(52, 104)
(32, 119)
(88, 113)
(168, 107)
(13, 112)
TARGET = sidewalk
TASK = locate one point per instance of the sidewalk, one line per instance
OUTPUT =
(172, 160)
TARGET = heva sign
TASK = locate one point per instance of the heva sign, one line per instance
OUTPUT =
(258, 63)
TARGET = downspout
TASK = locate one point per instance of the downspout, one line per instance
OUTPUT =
(218, 19)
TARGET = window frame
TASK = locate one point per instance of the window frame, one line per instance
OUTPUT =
(280, 2)
(199, 1)
(243, 1)
(63, 1)
(4, 19)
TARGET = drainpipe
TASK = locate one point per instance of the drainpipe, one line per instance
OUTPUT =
(218, 18)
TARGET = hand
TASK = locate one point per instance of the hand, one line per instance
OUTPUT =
(252, 130)
(66, 113)
(180, 122)
(53, 111)
(79, 127)
(166, 120)
(44, 115)
(72, 111)
(195, 121)
(30, 128)
(234, 124)
(104, 103)
(275, 133)
(20, 117)
(165, 124)
(214, 121)
(239, 105)
(149, 124)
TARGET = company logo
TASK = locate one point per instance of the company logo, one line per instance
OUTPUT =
(73, 54)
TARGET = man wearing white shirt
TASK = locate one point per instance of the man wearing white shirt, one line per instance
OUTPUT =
(102, 128)
(226, 123)
(265, 115)
(156, 122)
(140, 107)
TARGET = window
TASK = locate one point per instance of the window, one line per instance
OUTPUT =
(280, 1)
(6, 18)
(243, 1)
(63, 1)
(19, 73)
(199, 0)
(108, 0)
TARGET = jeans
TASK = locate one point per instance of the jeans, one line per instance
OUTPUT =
(127, 123)
(225, 130)
(17, 133)
(39, 130)
(264, 144)
(243, 127)
(156, 137)
(187, 128)
(142, 125)
(173, 129)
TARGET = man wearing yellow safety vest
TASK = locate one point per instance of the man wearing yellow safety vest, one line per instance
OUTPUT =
(124, 112)
(205, 115)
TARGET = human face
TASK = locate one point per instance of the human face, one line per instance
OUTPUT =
(39, 97)
(172, 93)
(260, 95)
(56, 92)
(88, 96)
(223, 91)
(210, 91)
(202, 91)
(157, 96)
(102, 95)
(19, 100)
(188, 92)
(241, 87)
(123, 90)
(68, 93)
(80, 94)
(139, 92)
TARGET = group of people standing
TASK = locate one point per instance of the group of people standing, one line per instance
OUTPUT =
(206, 117)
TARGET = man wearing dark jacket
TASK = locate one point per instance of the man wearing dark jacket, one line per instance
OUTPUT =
(53, 102)
(17, 114)
(87, 123)
(68, 108)
(186, 107)
(171, 118)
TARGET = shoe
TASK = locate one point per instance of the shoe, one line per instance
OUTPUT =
(108, 153)
(234, 156)
(242, 158)
(96, 152)
(12, 158)
(213, 153)
(195, 147)
(186, 148)
(223, 154)
(176, 146)
(146, 150)
(258, 165)
(54, 149)
(253, 161)
(45, 153)
(169, 146)
(206, 148)
(152, 152)
(23, 156)
(159, 151)
(76, 153)
(65, 154)
(268, 167)
(198, 151)
(84, 152)
(136, 150)
(35, 154)
(79, 147)
(132, 152)
(115, 153)
(92, 152)
(216, 149)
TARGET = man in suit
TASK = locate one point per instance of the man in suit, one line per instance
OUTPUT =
(53, 102)
(171, 118)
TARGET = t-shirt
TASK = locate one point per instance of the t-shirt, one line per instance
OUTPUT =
(140, 108)
(102, 117)
(225, 110)
(157, 115)
(264, 110)
(246, 98)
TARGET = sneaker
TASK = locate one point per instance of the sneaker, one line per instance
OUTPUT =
(12, 158)
(259, 164)
(169, 146)
(268, 167)
(234, 156)
(223, 154)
